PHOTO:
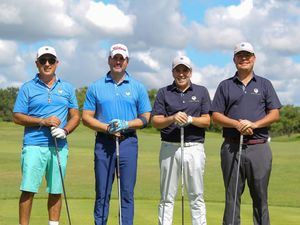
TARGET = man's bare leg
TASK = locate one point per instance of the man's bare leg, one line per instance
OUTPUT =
(54, 206)
(25, 206)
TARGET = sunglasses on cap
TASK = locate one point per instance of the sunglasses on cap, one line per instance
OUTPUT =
(43, 60)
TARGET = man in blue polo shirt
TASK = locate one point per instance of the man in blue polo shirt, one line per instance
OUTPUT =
(182, 104)
(47, 107)
(116, 105)
(246, 104)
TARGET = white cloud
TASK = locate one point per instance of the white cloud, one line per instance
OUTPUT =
(8, 51)
(146, 58)
(109, 18)
(242, 10)
(9, 14)
(82, 31)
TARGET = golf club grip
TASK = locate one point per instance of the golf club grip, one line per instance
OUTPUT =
(118, 156)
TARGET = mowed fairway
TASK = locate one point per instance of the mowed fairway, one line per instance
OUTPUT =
(284, 189)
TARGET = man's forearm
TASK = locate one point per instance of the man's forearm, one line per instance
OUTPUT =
(140, 122)
(26, 120)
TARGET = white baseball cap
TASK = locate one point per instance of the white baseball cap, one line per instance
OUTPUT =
(45, 50)
(243, 46)
(181, 59)
(119, 49)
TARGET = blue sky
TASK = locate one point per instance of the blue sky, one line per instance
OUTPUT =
(195, 10)
(206, 31)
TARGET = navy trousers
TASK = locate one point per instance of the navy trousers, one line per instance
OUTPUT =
(105, 165)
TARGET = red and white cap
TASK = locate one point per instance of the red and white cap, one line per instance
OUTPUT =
(46, 50)
(181, 59)
(243, 46)
(119, 49)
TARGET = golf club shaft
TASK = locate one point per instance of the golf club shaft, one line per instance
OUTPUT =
(62, 180)
(182, 172)
(237, 176)
(118, 179)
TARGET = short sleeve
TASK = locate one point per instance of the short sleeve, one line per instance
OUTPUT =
(159, 104)
(90, 99)
(21, 103)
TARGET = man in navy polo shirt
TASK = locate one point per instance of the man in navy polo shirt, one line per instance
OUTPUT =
(116, 105)
(246, 104)
(182, 104)
(47, 107)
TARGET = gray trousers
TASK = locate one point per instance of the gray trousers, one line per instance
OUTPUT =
(255, 167)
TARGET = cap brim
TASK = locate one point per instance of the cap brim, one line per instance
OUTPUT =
(119, 52)
(187, 65)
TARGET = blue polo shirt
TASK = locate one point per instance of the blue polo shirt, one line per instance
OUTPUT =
(250, 102)
(195, 101)
(36, 99)
(110, 100)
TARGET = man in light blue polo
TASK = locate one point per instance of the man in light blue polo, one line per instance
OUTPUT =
(116, 105)
(47, 107)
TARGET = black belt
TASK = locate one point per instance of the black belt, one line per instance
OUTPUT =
(245, 142)
(123, 136)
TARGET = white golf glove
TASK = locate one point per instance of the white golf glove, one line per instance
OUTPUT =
(57, 132)
(189, 121)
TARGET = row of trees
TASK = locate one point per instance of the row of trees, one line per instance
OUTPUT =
(288, 124)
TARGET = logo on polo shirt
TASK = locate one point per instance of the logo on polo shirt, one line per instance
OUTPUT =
(60, 91)
(194, 99)
(255, 92)
(127, 93)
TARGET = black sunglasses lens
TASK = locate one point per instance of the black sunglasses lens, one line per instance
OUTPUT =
(42, 61)
(51, 60)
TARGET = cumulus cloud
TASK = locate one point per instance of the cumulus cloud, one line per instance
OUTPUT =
(82, 32)
(12, 65)
(147, 60)
(9, 14)
(109, 18)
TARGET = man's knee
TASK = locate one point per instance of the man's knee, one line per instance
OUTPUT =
(26, 196)
(54, 196)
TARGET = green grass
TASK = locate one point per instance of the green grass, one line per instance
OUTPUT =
(284, 197)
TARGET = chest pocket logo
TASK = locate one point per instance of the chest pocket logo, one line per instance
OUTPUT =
(194, 99)
(127, 93)
(255, 92)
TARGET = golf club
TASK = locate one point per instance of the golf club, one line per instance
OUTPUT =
(62, 179)
(237, 176)
(118, 179)
(182, 172)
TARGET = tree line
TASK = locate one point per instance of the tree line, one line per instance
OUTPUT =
(289, 115)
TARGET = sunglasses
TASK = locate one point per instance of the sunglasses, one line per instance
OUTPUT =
(43, 60)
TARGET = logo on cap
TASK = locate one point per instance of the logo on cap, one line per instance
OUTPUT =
(119, 49)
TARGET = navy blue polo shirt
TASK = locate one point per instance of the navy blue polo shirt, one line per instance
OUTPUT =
(250, 102)
(195, 101)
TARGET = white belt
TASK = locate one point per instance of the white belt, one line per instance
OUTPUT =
(186, 144)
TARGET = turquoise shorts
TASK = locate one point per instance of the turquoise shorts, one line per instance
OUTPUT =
(39, 161)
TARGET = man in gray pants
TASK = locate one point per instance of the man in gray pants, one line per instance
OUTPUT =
(246, 104)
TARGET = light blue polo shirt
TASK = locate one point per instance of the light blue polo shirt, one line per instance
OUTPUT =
(123, 101)
(36, 99)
